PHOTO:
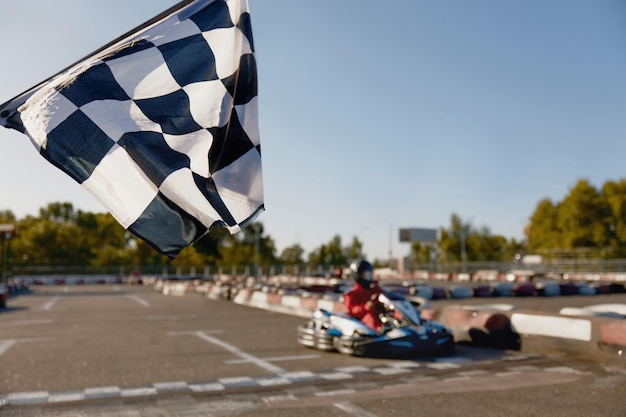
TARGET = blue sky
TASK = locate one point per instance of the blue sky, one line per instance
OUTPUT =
(376, 116)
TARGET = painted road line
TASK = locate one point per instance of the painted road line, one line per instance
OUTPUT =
(139, 392)
(23, 398)
(276, 359)
(245, 357)
(354, 410)
(278, 398)
(47, 306)
(223, 384)
(335, 376)
(238, 381)
(237, 352)
(7, 343)
(335, 393)
(207, 387)
(391, 371)
(63, 397)
(139, 300)
(193, 332)
(272, 381)
(172, 318)
(354, 369)
(170, 386)
(300, 376)
(102, 392)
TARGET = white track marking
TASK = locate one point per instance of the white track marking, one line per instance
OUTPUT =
(7, 343)
(354, 410)
(139, 300)
(171, 318)
(276, 359)
(193, 332)
(50, 303)
(237, 352)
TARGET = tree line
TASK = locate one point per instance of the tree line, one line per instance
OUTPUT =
(62, 235)
(588, 221)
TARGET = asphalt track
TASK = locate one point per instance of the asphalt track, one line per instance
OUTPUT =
(131, 351)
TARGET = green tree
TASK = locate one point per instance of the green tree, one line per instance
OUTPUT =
(244, 247)
(189, 256)
(53, 239)
(210, 244)
(144, 254)
(462, 242)
(7, 216)
(355, 250)
(615, 196)
(587, 218)
(451, 240)
(334, 253)
(544, 230)
(487, 247)
(584, 218)
(61, 213)
(110, 243)
(292, 255)
(318, 256)
(421, 252)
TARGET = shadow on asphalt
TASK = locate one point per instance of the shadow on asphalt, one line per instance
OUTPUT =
(7, 310)
(467, 352)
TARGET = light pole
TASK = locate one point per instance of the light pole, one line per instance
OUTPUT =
(463, 251)
(465, 228)
(256, 250)
(7, 233)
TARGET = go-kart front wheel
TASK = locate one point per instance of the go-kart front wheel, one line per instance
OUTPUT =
(317, 339)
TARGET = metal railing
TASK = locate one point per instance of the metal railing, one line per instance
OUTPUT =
(550, 266)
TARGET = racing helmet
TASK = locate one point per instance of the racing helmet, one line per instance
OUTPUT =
(363, 270)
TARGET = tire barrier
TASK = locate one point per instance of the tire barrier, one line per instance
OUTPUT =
(596, 333)
(597, 337)
(288, 304)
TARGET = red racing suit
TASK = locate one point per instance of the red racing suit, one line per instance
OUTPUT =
(356, 301)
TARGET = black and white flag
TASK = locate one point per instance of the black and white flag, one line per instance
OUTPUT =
(161, 125)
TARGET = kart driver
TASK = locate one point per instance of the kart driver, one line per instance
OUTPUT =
(361, 301)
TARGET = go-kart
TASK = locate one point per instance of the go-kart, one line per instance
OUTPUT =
(404, 332)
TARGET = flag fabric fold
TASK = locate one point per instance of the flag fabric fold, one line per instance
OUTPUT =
(161, 125)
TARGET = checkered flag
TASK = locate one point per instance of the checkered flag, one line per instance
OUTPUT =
(160, 125)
